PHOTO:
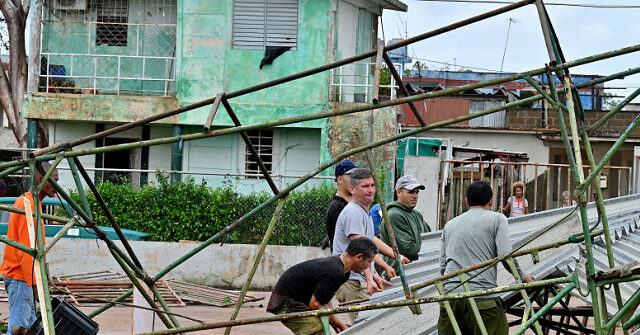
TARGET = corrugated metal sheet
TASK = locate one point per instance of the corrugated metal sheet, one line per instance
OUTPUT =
(435, 110)
(491, 120)
(623, 214)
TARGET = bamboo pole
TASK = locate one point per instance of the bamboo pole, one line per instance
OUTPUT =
(47, 323)
(265, 240)
(365, 307)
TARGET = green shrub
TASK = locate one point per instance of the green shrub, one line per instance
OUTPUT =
(194, 211)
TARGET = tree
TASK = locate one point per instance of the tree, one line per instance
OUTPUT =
(13, 83)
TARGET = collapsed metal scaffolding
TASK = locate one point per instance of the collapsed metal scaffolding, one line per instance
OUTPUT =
(557, 65)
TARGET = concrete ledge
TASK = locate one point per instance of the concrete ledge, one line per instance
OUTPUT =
(220, 266)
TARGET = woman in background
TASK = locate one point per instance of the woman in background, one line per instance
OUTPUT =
(517, 205)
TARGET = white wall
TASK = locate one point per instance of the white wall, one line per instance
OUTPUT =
(220, 266)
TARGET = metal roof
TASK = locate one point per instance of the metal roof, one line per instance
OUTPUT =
(624, 220)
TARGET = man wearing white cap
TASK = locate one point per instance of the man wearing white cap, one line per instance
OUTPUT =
(407, 223)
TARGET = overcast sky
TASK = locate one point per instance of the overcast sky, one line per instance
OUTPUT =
(582, 32)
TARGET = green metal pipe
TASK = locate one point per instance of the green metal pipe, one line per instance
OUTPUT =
(11, 170)
(588, 247)
(392, 238)
(604, 282)
(49, 173)
(59, 235)
(350, 110)
(44, 216)
(607, 157)
(630, 303)
(605, 227)
(140, 288)
(39, 228)
(632, 322)
(110, 304)
(613, 112)
(101, 234)
(364, 307)
(164, 306)
(80, 187)
(69, 200)
(617, 75)
(18, 245)
(265, 240)
(545, 309)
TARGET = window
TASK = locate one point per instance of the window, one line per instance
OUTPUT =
(112, 28)
(258, 24)
(262, 140)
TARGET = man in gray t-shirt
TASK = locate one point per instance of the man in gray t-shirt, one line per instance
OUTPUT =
(476, 236)
(355, 221)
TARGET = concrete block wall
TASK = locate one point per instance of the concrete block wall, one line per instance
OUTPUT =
(223, 266)
(533, 118)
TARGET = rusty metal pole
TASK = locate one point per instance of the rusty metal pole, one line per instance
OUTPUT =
(392, 238)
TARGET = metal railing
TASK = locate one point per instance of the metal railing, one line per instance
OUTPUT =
(544, 183)
(108, 47)
(354, 83)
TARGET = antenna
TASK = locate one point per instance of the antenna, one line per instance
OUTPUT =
(511, 20)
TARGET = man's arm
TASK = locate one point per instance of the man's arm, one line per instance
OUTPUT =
(408, 243)
(333, 320)
(386, 250)
(503, 247)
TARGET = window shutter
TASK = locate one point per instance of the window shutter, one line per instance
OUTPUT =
(282, 23)
(249, 17)
(261, 23)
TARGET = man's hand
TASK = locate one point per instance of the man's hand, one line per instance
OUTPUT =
(372, 286)
(340, 328)
(405, 260)
(390, 272)
(381, 283)
(529, 279)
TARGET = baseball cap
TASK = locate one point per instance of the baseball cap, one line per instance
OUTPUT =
(344, 167)
(409, 182)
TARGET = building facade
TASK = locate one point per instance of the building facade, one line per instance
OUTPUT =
(107, 62)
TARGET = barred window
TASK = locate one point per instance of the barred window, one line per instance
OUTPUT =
(112, 28)
(258, 24)
(262, 140)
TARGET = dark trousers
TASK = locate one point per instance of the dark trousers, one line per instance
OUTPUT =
(492, 311)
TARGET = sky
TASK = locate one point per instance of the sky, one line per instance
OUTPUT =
(581, 31)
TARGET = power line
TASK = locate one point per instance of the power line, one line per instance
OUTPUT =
(548, 4)
(445, 63)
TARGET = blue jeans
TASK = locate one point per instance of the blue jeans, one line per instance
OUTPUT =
(22, 306)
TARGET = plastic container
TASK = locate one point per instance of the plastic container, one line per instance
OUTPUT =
(68, 320)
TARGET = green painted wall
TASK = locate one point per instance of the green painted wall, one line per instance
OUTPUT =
(210, 65)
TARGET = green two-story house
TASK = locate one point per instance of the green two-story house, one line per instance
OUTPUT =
(108, 62)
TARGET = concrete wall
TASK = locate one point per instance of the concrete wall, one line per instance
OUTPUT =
(427, 171)
(219, 266)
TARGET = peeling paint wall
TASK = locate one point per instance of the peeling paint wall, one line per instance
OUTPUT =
(351, 131)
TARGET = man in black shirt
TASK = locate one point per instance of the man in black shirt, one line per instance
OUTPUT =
(312, 284)
(340, 199)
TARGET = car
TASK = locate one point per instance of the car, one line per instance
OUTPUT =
(49, 205)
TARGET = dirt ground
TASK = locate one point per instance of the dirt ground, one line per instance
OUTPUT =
(118, 320)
